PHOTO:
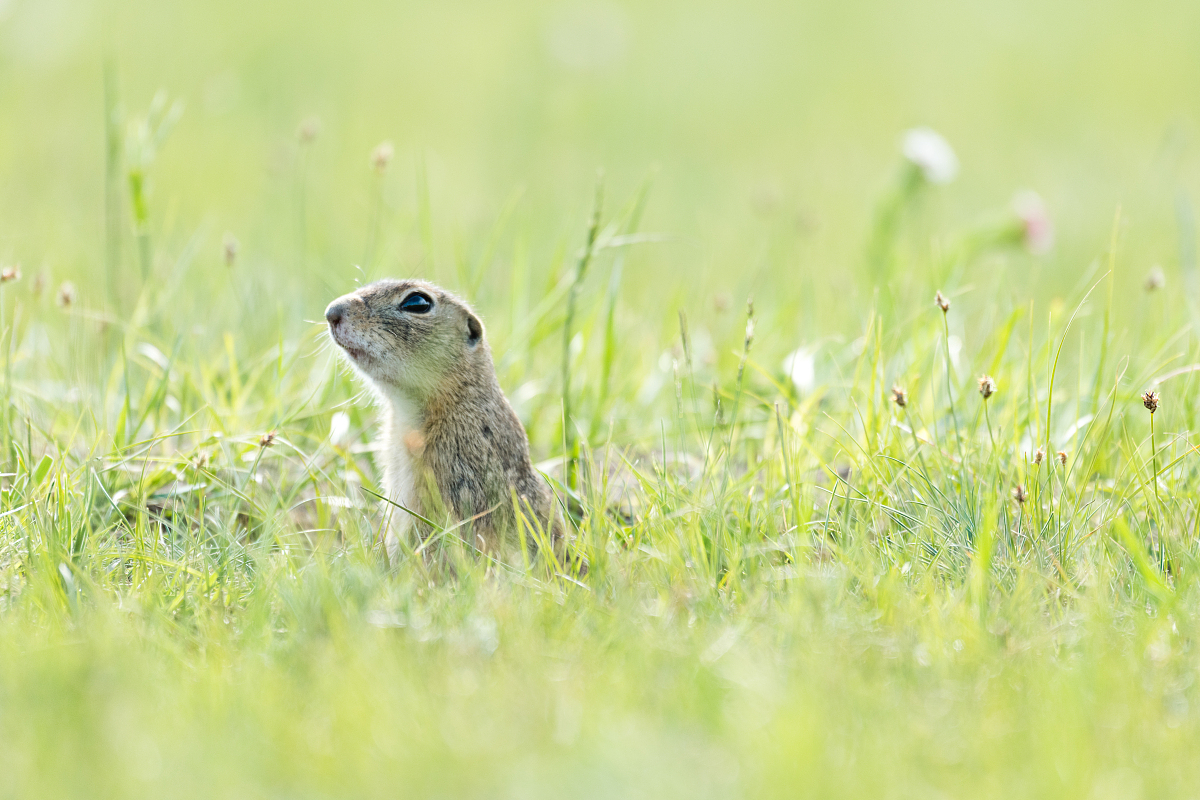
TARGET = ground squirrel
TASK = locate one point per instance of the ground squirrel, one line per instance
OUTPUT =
(450, 439)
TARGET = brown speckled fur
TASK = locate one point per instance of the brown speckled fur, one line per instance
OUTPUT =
(447, 423)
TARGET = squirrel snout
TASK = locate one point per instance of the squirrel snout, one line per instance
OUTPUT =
(335, 312)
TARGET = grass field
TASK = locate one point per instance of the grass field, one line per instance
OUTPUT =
(797, 585)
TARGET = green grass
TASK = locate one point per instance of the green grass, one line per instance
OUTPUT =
(794, 587)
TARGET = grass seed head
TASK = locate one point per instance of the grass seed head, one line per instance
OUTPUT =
(1062, 457)
(749, 322)
(267, 439)
(12, 273)
(229, 249)
(1020, 495)
(987, 386)
(66, 294)
(381, 156)
(899, 396)
(941, 302)
(1155, 279)
(309, 129)
(1150, 401)
(1039, 457)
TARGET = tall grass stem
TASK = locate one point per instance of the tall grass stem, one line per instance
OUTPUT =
(570, 435)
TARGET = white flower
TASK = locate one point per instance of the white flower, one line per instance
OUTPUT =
(1039, 229)
(931, 153)
(339, 426)
(800, 366)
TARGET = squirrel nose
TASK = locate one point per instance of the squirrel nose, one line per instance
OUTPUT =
(335, 312)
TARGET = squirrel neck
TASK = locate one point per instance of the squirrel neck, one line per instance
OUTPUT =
(460, 393)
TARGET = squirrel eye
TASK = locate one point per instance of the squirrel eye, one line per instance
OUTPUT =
(417, 303)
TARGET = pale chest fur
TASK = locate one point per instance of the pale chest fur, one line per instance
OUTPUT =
(400, 448)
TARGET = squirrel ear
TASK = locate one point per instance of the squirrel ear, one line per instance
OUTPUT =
(474, 329)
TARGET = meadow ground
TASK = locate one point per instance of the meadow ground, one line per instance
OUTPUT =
(798, 585)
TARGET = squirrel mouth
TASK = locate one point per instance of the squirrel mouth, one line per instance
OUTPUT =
(357, 354)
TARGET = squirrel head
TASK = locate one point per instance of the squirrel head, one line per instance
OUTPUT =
(409, 337)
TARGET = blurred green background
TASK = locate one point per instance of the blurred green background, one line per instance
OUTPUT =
(189, 612)
(771, 128)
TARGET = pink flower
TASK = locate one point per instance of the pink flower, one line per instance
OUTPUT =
(1038, 227)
